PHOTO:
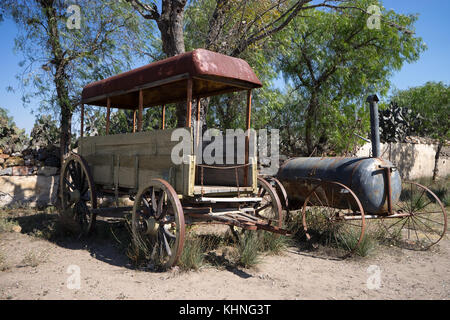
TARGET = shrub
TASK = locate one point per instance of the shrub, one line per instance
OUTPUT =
(248, 249)
(192, 257)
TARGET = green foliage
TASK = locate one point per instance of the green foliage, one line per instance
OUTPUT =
(45, 132)
(12, 139)
(192, 257)
(228, 111)
(121, 121)
(58, 62)
(333, 62)
(248, 249)
(432, 101)
(272, 243)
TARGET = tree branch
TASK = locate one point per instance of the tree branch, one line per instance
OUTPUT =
(147, 11)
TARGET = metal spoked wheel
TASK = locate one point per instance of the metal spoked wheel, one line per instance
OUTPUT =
(78, 196)
(332, 214)
(422, 222)
(158, 224)
(281, 192)
(269, 208)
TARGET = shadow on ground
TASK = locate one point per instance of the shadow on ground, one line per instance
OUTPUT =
(108, 243)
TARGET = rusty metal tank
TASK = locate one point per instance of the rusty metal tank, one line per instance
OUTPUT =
(363, 176)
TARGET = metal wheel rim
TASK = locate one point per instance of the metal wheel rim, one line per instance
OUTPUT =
(266, 191)
(166, 244)
(416, 226)
(331, 222)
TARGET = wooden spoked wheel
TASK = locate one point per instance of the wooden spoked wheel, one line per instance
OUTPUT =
(424, 220)
(333, 215)
(269, 209)
(158, 225)
(77, 192)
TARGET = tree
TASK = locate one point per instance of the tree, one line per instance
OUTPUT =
(333, 61)
(59, 57)
(45, 132)
(225, 26)
(12, 139)
(432, 101)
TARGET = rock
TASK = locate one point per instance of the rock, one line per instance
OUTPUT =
(2, 161)
(47, 171)
(29, 162)
(14, 161)
(6, 172)
(27, 153)
(17, 229)
(30, 190)
(16, 154)
(42, 154)
(52, 162)
(22, 171)
(40, 163)
(4, 156)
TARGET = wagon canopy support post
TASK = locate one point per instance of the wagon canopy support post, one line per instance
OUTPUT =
(163, 116)
(247, 138)
(197, 133)
(189, 102)
(141, 107)
(82, 121)
(108, 114)
(134, 121)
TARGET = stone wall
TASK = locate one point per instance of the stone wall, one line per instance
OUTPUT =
(29, 177)
(34, 191)
(414, 160)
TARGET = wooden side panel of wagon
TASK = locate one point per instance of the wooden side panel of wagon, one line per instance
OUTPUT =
(131, 160)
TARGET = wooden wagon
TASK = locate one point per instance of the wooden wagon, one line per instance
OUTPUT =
(139, 164)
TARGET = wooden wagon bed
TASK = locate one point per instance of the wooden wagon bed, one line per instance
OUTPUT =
(167, 193)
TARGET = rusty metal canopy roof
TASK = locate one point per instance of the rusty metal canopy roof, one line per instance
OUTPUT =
(165, 81)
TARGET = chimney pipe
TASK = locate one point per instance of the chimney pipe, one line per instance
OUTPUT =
(374, 126)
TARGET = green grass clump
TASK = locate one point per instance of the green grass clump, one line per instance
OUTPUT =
(33, 259)
(248, 254)
(193, 255)
(272, 243)
(6, 223)
(3, 265)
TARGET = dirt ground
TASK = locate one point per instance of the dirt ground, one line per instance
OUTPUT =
(34, 268)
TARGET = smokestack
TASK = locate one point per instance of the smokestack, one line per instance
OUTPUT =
(374, 126)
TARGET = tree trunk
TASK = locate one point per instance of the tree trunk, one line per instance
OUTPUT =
(60, 77)
(436, 160)
(310, 122)
(170, 25)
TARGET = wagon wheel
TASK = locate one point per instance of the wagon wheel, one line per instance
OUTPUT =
(158, 224)
(425, 222)
(78, 196)
(269, 208)
(282, 194)
(334, 214)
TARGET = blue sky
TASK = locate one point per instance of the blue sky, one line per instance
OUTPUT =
(434, 65)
